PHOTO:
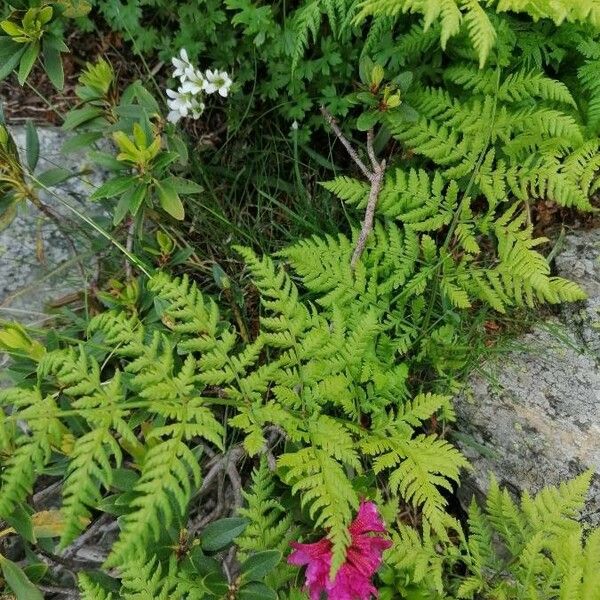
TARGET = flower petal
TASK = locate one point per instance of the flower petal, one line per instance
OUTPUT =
(367, 519)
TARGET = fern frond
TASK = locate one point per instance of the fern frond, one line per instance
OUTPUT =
(554, 509)
(90, 590)
(419, 464)
(325, 490)
(590, 587)
(32, 449)
(269, 525)
(90, 468)
(143, 580)
(187, 308)
(306, 22)
(169, 474)
(481, 31)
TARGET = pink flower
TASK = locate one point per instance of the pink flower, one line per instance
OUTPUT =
(363, 558)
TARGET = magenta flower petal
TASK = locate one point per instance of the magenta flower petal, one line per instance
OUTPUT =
(317, 557)
(367, 520)
(363, 558)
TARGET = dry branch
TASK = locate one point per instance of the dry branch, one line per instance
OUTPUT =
(375, 177)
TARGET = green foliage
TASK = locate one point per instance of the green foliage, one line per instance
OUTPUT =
(19, 181)
(537, 548)
(177, 379)
(270, 527)
(429, 259)
(142, 176)
(37, 31)
(332, 389)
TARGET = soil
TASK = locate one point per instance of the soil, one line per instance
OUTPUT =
(40, 101)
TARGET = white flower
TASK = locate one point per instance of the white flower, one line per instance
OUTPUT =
(180, 103)
(295, 125)
(197, 108)
(174, 116)
(194, 81)
(181, 64)
(183, 103)
(217, 81)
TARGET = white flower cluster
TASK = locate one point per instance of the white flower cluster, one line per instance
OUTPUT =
(187, 100)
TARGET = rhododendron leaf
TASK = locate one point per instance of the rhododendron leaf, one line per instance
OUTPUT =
(257, 591)
(257, 566)
(220, 533)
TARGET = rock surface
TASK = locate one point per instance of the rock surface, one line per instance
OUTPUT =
(37, 262)
(532, 417)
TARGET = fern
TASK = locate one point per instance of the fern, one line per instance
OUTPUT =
(31, 451)
(501, 137)
(269, 526)
(307, 21)
(418, 463)
(92, 591)
(512, 550)
(170, 472)
(588, 77)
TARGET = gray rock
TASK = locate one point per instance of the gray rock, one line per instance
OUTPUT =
(37, 260)
(532, 417)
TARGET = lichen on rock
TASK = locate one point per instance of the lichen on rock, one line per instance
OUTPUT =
(532, 417)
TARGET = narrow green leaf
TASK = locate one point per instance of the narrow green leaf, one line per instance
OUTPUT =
(83, 140)
(184, 186)
(79, 116)
(9, 65)
(20, 521)
(106, 160)
(114, 187)
(32, 145)
(10, 28)
(8, 47)
(176, 144)
(216, 584)
(220, 533)
(18, 581)
(121, 209)
(27, 61)
(54, 176)
(137, 199)
(169, 199)
(35, 572)
(124, 480)
(407, 112)
(53, 66)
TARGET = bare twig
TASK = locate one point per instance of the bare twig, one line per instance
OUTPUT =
(236, 484)
(44, 494)
(99, 527)
(367, 225)
(351, 151)
(375, 178)
(371, 150)
(61, 591)
(219, 464)
(73, 565)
